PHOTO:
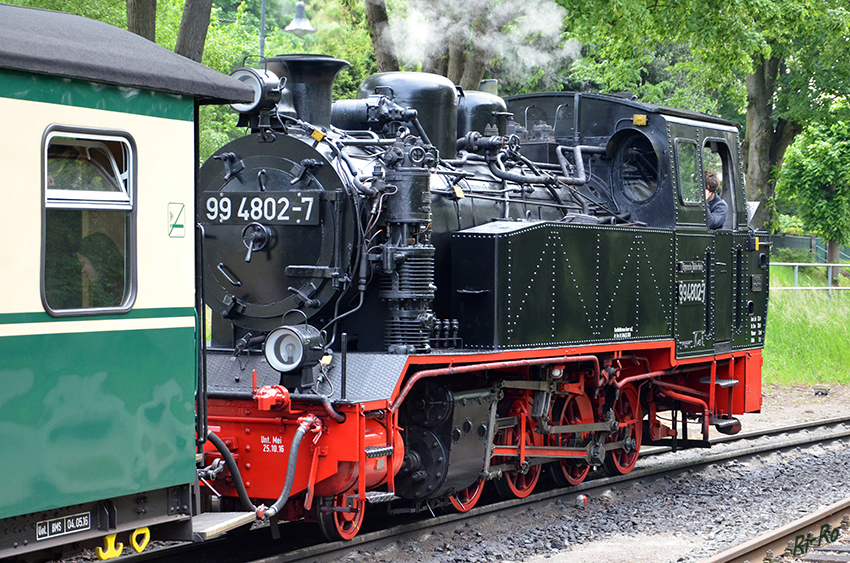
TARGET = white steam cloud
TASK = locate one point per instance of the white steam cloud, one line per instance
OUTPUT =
(522, 35)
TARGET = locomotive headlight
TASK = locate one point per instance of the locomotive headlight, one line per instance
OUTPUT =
(266, 86)
(289, 348)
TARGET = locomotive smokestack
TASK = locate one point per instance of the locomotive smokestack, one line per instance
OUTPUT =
(310, 78)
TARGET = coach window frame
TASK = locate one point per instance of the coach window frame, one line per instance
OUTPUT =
(121, 200)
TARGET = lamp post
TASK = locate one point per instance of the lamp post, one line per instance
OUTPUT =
(300, 26)
(263, 30)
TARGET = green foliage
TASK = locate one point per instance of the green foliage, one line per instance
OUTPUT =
(666, 74)
(344, 33)
(793, 255)
(109, 11)
(816, 174)
(790, 225)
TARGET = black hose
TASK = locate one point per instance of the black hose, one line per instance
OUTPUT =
(234, 471)
(361, 187)
(272, 511)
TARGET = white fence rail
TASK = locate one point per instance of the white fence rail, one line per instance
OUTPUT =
(797, 265)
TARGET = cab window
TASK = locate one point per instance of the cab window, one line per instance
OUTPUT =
(638, 167)
(716, 157)
(88, 233)
(687, 172)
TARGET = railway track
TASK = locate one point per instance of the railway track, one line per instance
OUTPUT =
(305, 544)
(801, 539)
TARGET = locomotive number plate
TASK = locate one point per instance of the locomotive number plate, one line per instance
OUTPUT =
(47, 529)
(281, 208)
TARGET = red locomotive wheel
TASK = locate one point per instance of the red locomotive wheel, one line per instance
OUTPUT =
(466, 499)
(627, 409)
(344, 521)
(573, 409)
(515, 484)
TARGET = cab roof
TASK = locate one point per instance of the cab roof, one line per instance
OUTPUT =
(628, 101)
(60, 44)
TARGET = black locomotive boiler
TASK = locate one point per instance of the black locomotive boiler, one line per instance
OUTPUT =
(446, 288)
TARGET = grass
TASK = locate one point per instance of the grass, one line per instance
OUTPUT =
(807, 339)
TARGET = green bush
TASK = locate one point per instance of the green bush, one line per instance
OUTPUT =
(791, 225)
(799, 255)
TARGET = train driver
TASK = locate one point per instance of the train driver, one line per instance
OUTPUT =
(717, 208)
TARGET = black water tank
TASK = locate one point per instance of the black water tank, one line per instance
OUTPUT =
(476, 110)
(433, 96)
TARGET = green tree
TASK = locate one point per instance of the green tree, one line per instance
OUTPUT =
(816, 173)
(788, 56)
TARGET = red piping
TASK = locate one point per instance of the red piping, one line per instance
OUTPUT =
(451, 370)
(690, 400)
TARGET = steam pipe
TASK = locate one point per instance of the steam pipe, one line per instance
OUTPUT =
(324, 400)
(577, 154)
(653, 374)
(517, 178)
(552, 191)
(234, 471)
(576, 109)
(463, 160)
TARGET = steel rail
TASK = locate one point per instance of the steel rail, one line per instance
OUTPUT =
(267, 551)
(592, 488)
(794, 532)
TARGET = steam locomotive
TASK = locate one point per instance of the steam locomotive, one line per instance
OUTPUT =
(410, 295)
(440, 289)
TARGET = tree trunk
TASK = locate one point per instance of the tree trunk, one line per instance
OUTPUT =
(833, 251)
(436, 61)
(193, 29)
(766, 142)
(473, 70)
(457, 59)
(382, 41)
(141, 18)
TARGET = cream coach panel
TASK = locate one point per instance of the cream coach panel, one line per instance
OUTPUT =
(165, 174)
(20, 193)
(165, 214)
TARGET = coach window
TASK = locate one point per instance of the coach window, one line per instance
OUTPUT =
(88, 233)
(687, 172)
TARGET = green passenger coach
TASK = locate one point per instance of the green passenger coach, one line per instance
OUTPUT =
(98, 372)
